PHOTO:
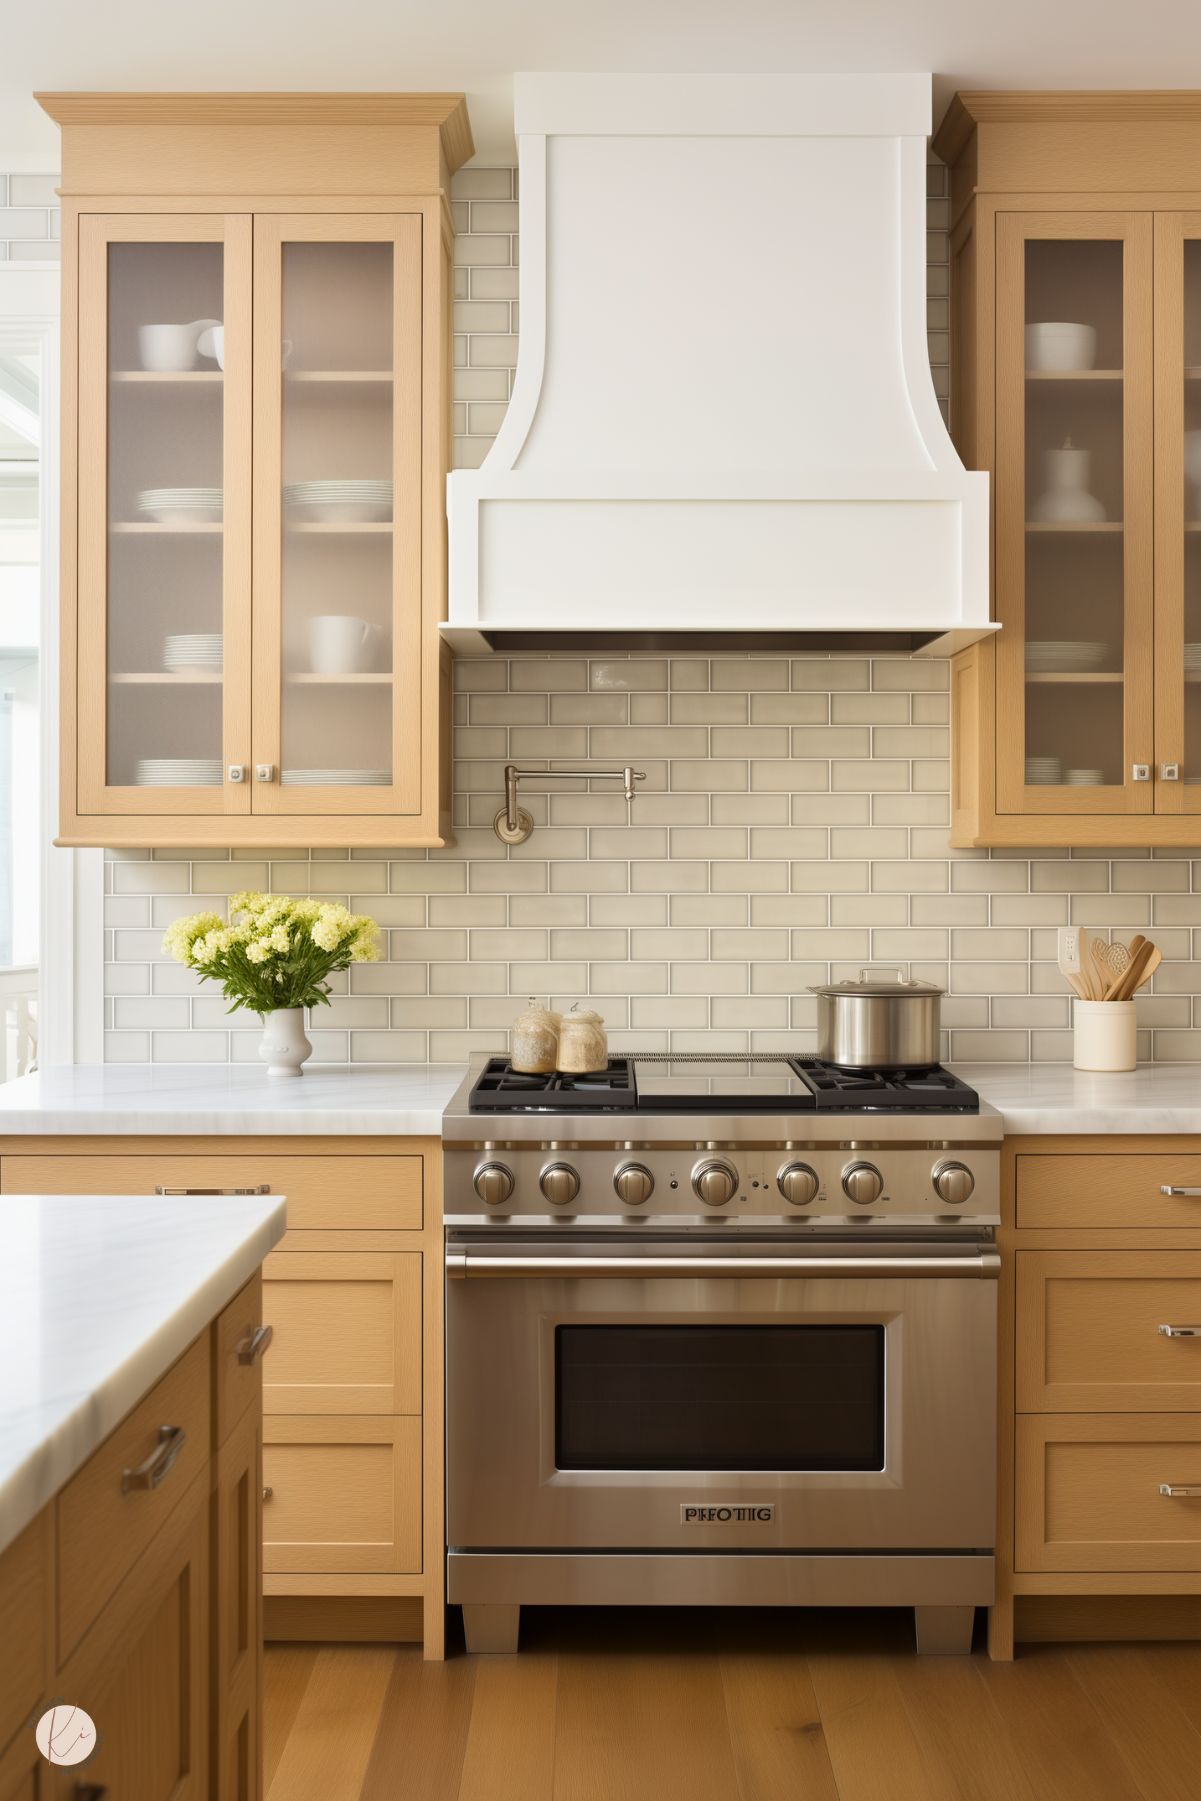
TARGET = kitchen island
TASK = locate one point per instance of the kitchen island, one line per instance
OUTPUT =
(130, 1409)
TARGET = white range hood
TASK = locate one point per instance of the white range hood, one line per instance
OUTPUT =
(723, 427)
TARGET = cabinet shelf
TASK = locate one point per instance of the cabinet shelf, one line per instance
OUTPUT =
(306, 680)
(340, 527)
(131, 528)
(1113, 526)
(339, 376)
(165, 678)
(1052, 680)
(1075, 374)
(166, 377)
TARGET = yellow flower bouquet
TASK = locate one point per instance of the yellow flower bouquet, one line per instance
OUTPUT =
(275, 956)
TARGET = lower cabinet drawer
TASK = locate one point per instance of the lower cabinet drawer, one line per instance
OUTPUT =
(1122, 1190)
(342, 1495)
(24, 1625)
(1089, 1492)
(346, 1332)
(1088, 1331)
(107, 1514)
(345, 1193)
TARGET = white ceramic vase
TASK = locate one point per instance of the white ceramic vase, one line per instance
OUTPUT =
(284, 1046)
(1066, 499)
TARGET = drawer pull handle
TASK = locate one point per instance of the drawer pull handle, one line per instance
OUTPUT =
(252, 1347)
(1176, 1490)
(159, 1464)
(1181, 1331)
(260, 1188)
(268, 1491)
(1167, 1188)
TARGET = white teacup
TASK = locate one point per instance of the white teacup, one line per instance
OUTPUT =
(339, 644)
(172, 347)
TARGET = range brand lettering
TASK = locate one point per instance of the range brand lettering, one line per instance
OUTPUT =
(726, 1515)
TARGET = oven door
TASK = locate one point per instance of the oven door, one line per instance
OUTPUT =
(691, 1396)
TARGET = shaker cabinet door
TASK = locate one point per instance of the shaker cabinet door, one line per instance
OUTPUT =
(1074, 528)
(1178, 512)
(160, 642)
(338, 490)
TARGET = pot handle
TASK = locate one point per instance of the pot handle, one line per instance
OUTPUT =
(886, 969)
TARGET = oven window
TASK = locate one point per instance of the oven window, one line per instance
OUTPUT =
(719, 1397)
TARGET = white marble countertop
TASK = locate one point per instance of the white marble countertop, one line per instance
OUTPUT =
(1054, 1097)
(122, 1099)
(118, 1100)
(98, 1297)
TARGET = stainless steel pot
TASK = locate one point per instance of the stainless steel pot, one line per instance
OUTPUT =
(885, 1020)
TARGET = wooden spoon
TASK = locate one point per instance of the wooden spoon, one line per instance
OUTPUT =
(1152, 964)
(1132, 977)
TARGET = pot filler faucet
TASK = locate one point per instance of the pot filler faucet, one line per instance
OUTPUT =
(513, 824)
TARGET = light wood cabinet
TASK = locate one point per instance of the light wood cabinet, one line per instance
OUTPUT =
(1076, 382)
(256, 439)
(347, 1332)
(342, 1495)
(352, 1378)
(1099, 1408)
(143, 1605)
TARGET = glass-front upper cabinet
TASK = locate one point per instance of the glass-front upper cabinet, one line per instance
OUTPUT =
(1074, 513)
(1178, 510)
(338, 566)
(164, 521)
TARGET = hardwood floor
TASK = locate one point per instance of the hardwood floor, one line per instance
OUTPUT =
(693, 1705)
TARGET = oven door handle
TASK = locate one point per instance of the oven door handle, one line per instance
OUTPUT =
(464, 1264)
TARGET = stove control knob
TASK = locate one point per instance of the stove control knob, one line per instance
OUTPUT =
(715, 1182)
(862, 1183)
(798, 1183)
(634, 1184)
(953, 1182)
(559, 1183)
(493, 1183)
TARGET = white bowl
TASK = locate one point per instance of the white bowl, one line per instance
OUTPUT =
(1058, 347)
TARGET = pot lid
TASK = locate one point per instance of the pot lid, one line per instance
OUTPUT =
(885, 983)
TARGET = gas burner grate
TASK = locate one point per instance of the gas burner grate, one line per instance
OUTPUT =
(502, 1089)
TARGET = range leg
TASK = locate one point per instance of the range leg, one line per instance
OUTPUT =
(944, 1631)
(489, 1628)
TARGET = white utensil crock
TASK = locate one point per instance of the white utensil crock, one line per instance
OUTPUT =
(284, 1046)
(1104, 1035)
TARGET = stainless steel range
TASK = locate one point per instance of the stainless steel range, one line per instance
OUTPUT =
(720, 1330)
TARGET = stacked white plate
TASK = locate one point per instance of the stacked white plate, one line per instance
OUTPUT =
(184, 652)
(1055, 656)
(181, 506)
(1192, 659)
(336, 778)
(178, 772)
(1044, 771)
(1083, 778)
(340, 502)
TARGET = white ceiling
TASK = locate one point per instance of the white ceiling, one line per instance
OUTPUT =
(474, 45)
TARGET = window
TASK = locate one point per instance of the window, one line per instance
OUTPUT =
(20, 707)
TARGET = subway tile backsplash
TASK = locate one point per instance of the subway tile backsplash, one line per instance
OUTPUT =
(792, 827)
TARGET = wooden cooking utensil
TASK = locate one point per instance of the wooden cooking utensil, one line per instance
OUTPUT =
(1115, 957)
(1124, 985)
(1152, 964)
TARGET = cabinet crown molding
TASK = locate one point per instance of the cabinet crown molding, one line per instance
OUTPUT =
(1001, 106)
(448, 112)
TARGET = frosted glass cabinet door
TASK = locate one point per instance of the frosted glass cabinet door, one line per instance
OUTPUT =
(337, 697)
(163, 564)
(1178, 511)
(1074, 527)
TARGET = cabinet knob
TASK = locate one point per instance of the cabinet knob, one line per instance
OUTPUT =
(1169, 772)
(236, 772)
(264, 772)
(251, 1349)
(268, 1491)
(1140, 772)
